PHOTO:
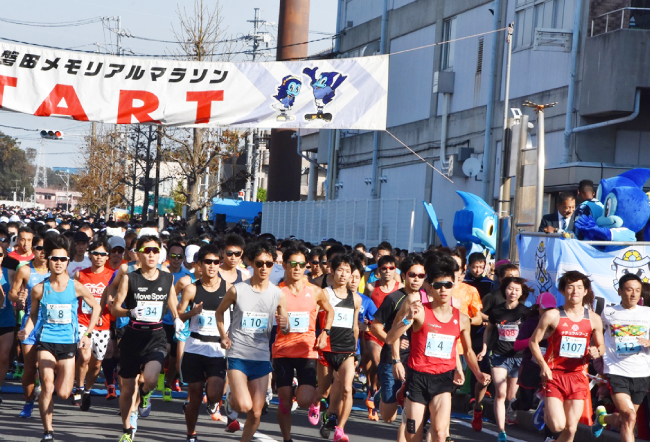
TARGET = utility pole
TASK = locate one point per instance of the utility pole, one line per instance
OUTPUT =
(256, 163)
(66, 181)
(249, 164)
(156, 194)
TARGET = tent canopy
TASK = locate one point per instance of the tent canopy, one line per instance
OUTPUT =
(235, 210)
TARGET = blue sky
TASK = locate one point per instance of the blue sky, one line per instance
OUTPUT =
(145, 18)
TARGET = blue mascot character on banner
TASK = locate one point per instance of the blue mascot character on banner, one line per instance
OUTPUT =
(475, 227)
(287, 93)
(324, 87)
(625, 210)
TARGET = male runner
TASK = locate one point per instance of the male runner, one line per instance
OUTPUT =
(22, 251)
(626, 359)
(89, 363)
(569, 329)
(338, 355)
(55, 301)
(147, 294)
(204, 360)
(26, 278)
(297, 351)
(233, 250)
(436, 327)
(7, 321)
(79, 261)
(116, 247)
(255, 302)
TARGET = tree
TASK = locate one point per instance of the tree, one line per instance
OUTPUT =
(261, 195)
(16, 170)
(200, 35)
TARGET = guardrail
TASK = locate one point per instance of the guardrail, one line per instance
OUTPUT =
(621, 23)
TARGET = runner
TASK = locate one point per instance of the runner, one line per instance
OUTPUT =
(80, 259)
(569, 330)
(433, 360)
(7, 322)
(147, 294)
(626, 358)
(476, 264)
(500, 335)
(89, 361)
(26, 278)
(233, 250)
(116, 247)
(255, 302)
(297, 351)
(338, 354)
(204, 360)
(414, 275)
(22, 251)
(55, 302)
(381, 288)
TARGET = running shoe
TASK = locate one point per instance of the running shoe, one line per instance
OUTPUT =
(538, 417)
(370, 400)
(193, 438)
(167, 395)
(477, 420)
(324, 430)
(145, 404)
(339, 435)
(313, 415)
(511, 415)
(76, 397)
(331, 421)
(18, 374)
(373, 416)
(110, 392)
(502, 437)
(126, 437)
(176, 386)
(85, 401)
(133, 420)
(47, 437)
(212, 408)
(161, 382)
(27, 410)
(233, 425)
(597, 428)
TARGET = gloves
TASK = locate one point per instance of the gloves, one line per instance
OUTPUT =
(586, 225)
(136, 313)
(179, 326)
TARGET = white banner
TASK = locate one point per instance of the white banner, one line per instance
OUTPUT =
(348, 93)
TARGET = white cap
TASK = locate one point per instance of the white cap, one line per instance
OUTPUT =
(14, 218)
(190, 251)
(148, 231)
(4, 219)
(116, 241)
(52, 230)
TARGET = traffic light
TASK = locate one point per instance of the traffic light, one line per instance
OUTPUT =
(52, 134)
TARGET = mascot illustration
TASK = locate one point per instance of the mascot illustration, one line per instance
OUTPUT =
(631, 262)
(324, 87)
(475, 227)
(287, 93)
(625, 210)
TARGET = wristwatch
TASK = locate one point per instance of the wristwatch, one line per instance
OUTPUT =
(327, 331)
(88, 334)
(397, 361)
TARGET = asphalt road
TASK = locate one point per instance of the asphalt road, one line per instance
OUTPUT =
(166, 423)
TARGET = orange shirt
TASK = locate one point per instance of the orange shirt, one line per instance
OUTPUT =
(96, 283)
(466, 299)
(301, 340)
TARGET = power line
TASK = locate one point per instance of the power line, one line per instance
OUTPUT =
(82, 22)
(20, 128)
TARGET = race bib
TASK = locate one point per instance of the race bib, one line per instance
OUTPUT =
(507, 332)
(571, 347)
(152, 311)
(343, 317)
(253, 321)
(85, 308)
(439, 345)
(59, 314)
(627, 346)
(207, 322)
(298, 322)
(626, 338)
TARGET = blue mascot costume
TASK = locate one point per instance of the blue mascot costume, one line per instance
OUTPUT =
(475, 226)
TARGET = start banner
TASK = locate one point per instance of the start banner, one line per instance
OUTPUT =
(543, 260)
(347, 93)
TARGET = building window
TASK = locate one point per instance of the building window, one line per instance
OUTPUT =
(448, 34)
(533, 14)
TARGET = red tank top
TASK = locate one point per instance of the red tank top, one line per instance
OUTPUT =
(96, 283)
(300, 341)
(568, 345)
(378, 295)
(433, 347)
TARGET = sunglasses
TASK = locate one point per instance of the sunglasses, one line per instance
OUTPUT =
(119, 250)
(440, 284)
(94, 253)
(231, 253)
(293, 264)
(59, 258)
(176, 255)
(39, 248)
(385, 268)
(260, 264)
(147, 250)
(212, 261)
(315, 263)
(323, 263)
(416, 275)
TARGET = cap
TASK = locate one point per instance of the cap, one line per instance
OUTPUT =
(546, 300)
(80, 236)
(502, 262)
(116, 241)
(14, 218)
(148, 231)
(190, 252)
(4, 219)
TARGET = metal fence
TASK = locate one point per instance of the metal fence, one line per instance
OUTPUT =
(349, 221)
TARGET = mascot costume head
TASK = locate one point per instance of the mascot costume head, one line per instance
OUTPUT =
(475, 226)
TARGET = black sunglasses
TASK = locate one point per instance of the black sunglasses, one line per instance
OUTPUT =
(39, 248)
(260, 264)
(440, 284)
(293, 264)
(231, 253)
(176, 255)
(95, 253)
(211, 261)
(59, 258)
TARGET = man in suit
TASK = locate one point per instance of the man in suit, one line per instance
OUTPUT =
(562, 220)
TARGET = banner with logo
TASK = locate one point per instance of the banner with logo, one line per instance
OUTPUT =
(543, 260)
(347, 93)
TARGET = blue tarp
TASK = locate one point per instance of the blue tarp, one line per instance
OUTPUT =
(235, 210)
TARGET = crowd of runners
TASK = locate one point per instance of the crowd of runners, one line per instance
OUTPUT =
(235, 320)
